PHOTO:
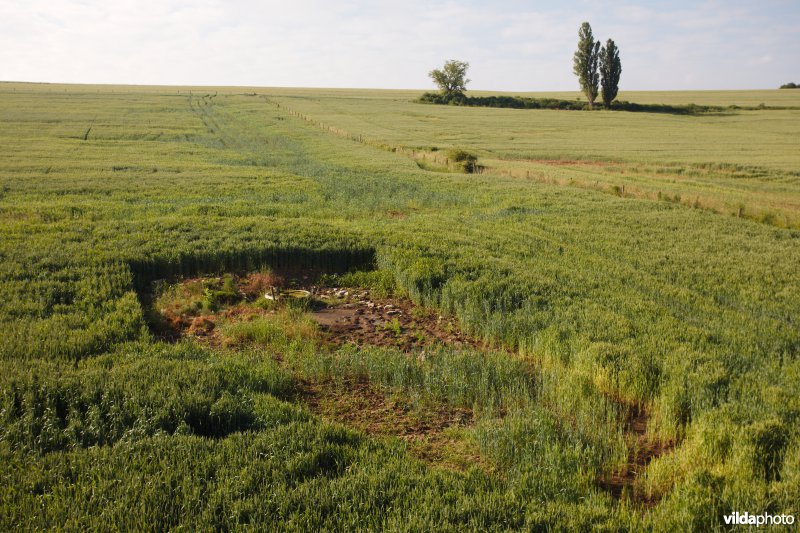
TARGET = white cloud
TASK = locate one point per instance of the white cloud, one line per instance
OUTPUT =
(511, 45)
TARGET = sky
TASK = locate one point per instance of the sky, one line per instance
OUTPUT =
(511, 45)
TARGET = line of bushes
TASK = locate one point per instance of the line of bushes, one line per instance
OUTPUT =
(521, 102)
(514, 102)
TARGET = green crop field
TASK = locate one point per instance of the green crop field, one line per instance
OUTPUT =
(630, 283)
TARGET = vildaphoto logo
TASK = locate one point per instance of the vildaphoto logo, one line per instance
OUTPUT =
(758, 520)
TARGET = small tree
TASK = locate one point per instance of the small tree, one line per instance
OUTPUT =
(451, 78)
(610, 70)
(585, 62)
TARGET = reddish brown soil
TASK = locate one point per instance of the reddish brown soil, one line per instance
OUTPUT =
(201, 326)
(345, 315)
(257, 284)
(624, 483)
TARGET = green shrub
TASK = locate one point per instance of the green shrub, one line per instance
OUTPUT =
(463, 160)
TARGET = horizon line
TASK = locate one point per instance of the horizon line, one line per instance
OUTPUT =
(235, 86)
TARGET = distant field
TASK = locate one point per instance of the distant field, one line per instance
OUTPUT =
(598, 329)
(737, 163)
(772, 97)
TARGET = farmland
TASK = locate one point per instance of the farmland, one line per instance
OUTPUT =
(627, 286)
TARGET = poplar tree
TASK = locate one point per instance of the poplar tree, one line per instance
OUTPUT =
(610, 70)
(585, 62)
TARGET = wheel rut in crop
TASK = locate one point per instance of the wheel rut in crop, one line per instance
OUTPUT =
(643, 448)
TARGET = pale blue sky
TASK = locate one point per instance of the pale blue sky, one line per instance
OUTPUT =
(511, 45)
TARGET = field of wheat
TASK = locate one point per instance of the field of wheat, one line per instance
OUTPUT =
(595, 327)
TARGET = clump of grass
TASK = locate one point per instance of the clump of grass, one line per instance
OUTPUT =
(393, 326)
(257, 284)
(463, 160)
(219, 293)
(276, 331)
(381, 282)
(181, 298)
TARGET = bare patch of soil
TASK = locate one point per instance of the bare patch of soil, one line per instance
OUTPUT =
(344, 315)
(434, 433)
(353, 316)
(643, 449)
(431, 432)
(201, 326)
